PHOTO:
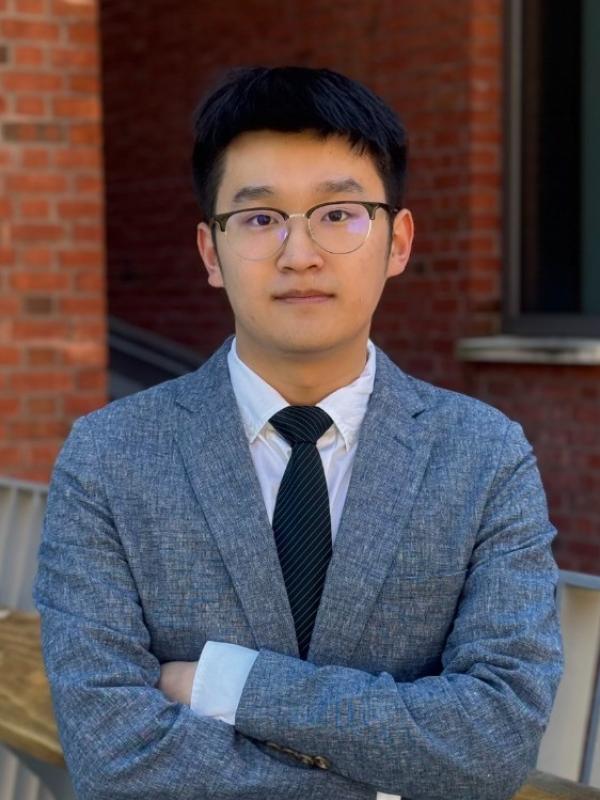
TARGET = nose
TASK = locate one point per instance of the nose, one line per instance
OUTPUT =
(299, 250)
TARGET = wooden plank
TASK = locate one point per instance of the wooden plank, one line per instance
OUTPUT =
(542, 786)
(26, 716)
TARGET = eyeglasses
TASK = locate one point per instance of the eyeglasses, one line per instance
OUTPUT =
(257, 233)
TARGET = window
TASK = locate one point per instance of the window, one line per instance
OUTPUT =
(553, 168)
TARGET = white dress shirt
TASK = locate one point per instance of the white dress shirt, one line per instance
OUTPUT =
(223, 667)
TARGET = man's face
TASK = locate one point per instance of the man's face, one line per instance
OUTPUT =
(294, 172)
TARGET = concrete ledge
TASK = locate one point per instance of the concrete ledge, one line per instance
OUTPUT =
(530, 350)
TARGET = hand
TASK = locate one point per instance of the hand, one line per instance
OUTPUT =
(176, 680)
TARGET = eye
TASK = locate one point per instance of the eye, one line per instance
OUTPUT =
(262, 219)
(342, 214)
(336, 215)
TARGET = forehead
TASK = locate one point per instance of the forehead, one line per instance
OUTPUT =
(295, 166)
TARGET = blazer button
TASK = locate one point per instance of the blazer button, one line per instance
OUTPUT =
(321, 762)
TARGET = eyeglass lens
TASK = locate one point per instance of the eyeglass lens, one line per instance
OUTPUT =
(336, 227)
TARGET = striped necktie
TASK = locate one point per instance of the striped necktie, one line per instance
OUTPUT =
(301, 520)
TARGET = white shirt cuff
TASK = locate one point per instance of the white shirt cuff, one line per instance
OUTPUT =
(220, 678)
(219, 681)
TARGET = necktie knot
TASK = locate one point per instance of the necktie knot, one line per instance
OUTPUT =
(301, 423)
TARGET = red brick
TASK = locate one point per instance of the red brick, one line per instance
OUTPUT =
(33, 132)
(41, 381)
(34, 157)
(88, 353)
(91, 379)
(36, 183)
(88, 184)
(44, 453)
(38, 305)
(85, 133)
(34, 208)
(36, 257)
(38, 232)
(46, 281)
(69, 209)
(77, 405)
(32, 82)
(78, 157)
(7, 256)
(588, 415)
(83, 33)
(93, 282)
(83, 8)
(9, 307)
(88, 233)
(81, 258)
(42, 356)
(9, 406)
(37, 429)
(40, 330)
(9, 356)
(77, 107)
(41, 406)
(89, 331)
(593, 460)
(84, 83)
(30, 6)
(9, 457)
(76, 58)
(27, 56)
(33, 106)
(94, 306)
(23, 29)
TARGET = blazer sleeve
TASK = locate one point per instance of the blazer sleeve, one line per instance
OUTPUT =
(472, 731)
(121, 736)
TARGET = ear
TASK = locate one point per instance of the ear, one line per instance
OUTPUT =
(209, 255)
(402, 239)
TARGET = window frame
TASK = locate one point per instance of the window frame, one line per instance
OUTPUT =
(515, 321)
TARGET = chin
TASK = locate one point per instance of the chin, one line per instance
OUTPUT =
(307, 343)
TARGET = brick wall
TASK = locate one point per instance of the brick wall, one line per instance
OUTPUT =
(52, 307)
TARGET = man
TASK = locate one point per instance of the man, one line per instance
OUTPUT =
(299, 572)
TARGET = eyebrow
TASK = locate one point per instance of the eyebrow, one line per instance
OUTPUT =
(252, 193)
(340, 186)
(332, 186)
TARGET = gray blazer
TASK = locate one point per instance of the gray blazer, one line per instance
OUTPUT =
(436, 650)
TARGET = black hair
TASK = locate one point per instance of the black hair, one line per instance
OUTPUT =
(289, 100)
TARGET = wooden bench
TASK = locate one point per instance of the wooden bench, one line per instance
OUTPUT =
(28, 728)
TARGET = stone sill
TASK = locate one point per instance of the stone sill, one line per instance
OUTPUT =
(530, 350)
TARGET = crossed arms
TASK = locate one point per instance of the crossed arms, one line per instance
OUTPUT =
(471, 732)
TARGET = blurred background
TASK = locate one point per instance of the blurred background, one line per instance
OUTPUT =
(102, 291)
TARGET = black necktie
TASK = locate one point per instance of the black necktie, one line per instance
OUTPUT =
(301, 520)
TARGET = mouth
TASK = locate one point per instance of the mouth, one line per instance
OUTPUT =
(303, 296)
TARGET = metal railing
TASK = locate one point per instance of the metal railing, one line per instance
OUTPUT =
(22, 506)
(571, 746)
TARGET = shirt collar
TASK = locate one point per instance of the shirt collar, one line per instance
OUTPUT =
(258, 400)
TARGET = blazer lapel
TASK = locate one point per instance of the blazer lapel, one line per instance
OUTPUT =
(213, 445)
(390, 460)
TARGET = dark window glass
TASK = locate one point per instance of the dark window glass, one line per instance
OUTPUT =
(559, 248)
